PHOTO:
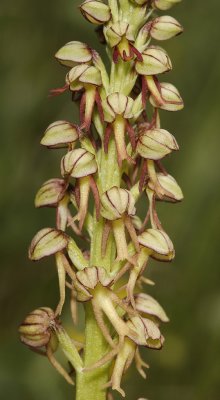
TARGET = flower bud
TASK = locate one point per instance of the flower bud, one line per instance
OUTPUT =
(165, 27)
(116, 202)
(164, 4)
(172, 100)
(83, 74)
(78, 163)
(170, 190)
(46, 242)
(148, 305)
(95, 12)
(35, 331)
(74, 52)
(155, 61)
(155, 144)
(59, 134)
(159, 243)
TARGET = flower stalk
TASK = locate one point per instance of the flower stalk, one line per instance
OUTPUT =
(112, 159)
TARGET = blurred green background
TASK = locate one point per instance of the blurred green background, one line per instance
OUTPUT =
(189, 366)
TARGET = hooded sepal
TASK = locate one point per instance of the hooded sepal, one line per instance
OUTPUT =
(60, 134)
(155, 61)
(95, 12)
(154, 144)
(73, 53)
(158, 243)
(164, 28)
(51, 193)
(146, 305)
(169, 98)
(78, 163)
(46, 242)
(166, 189)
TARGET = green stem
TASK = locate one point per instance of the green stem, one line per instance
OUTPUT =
(89, 385)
